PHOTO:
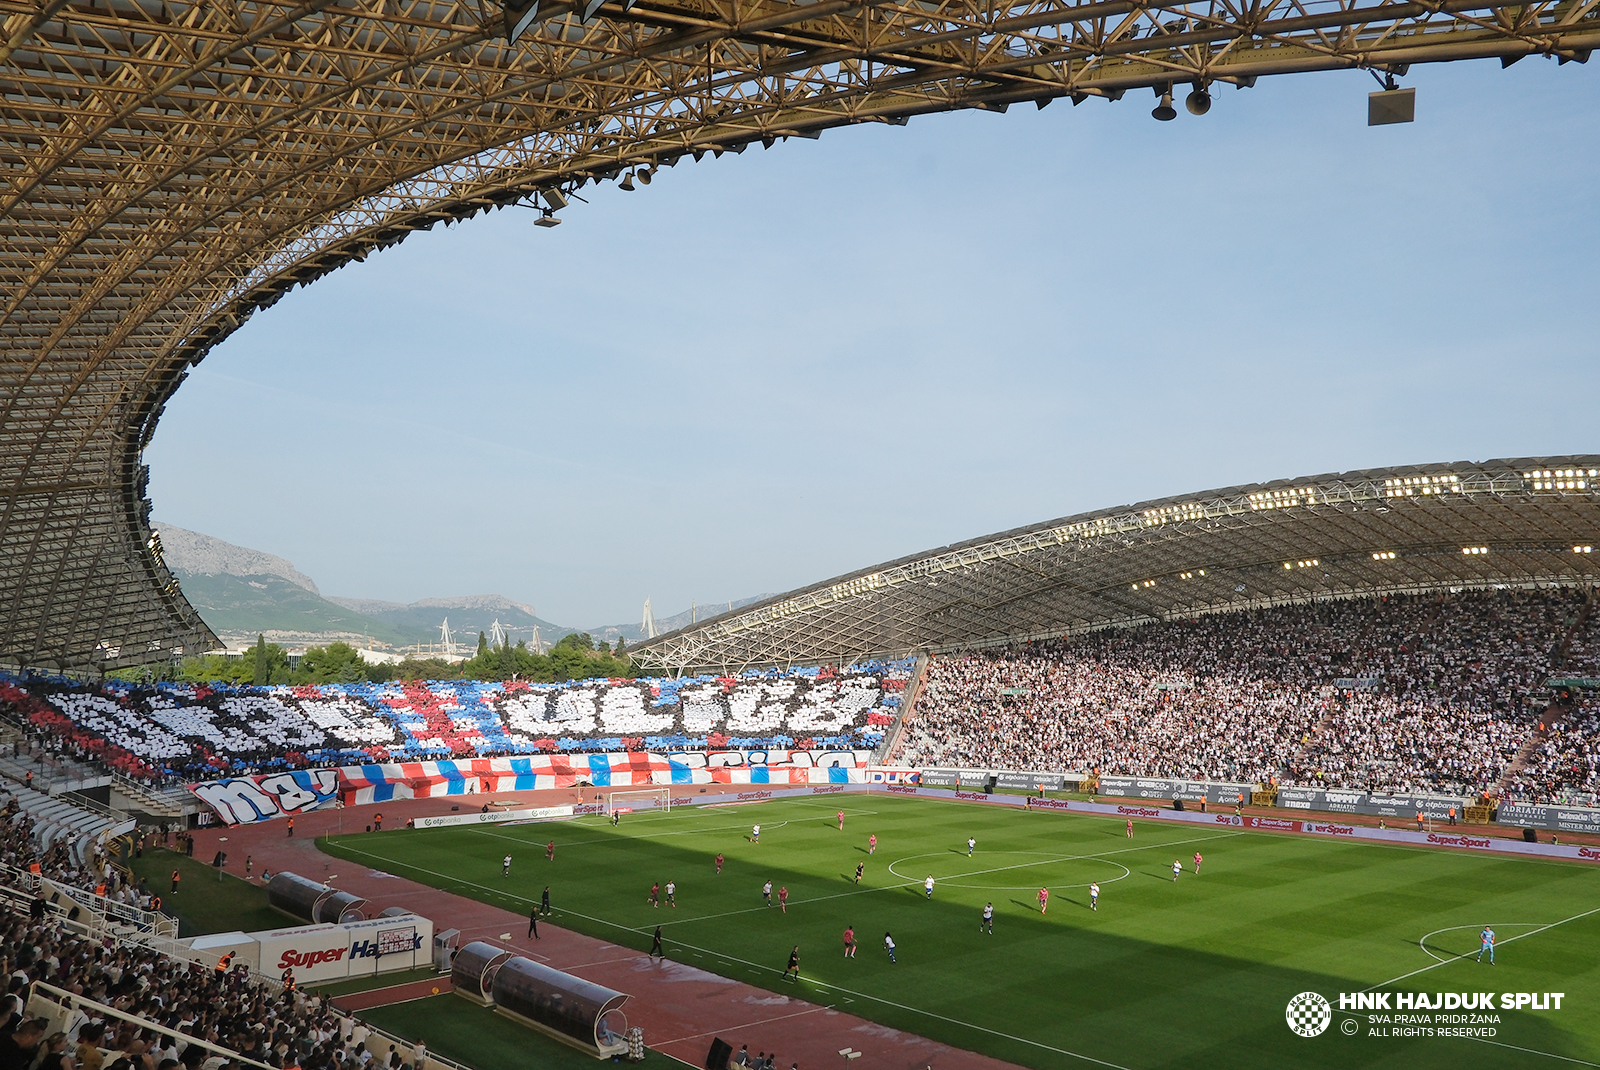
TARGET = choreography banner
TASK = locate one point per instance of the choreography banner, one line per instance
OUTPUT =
(241, 800)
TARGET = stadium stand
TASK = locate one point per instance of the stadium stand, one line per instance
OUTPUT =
(125, 1005)
(1420, 693)
(157, 733)
(101, 892)
(1564, 765)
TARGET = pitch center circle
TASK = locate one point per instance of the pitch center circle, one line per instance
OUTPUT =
(990, 871)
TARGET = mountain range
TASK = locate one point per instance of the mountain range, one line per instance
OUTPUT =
(242, 592)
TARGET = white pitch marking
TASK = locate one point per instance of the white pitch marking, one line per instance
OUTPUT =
(1509, 939)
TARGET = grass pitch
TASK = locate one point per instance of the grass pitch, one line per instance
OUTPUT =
(1193, 973)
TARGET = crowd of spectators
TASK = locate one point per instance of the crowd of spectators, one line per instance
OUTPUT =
(23, 863)
(1565, 766)
(278, 1027)
(1425, 693)
(164, 733)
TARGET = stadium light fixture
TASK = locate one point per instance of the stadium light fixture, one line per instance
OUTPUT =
(1474, 550)
(1563, 478)
(518, 18)
(555, 199)
(1391, 104)
(1383, 555)
(1582, 549)
(547, 218)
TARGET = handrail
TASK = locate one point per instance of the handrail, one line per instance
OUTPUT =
(153, 921)
(144, 793)
(450, 1064)
(40, 987)
(269, 982)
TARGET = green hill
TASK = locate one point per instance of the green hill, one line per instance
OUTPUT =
(246, 605)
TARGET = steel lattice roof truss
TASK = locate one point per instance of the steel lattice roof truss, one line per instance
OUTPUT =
(173, 166)
(1516, 522)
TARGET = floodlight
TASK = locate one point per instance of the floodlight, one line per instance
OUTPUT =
(547, 219)
(555, 199)
(1391, 106)
(518, 18)
(1164, 111)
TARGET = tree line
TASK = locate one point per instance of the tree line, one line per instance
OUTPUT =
(577, 656)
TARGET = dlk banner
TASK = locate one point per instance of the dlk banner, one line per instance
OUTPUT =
(241, 800)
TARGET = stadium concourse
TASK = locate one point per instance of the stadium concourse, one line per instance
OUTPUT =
(680, 1007)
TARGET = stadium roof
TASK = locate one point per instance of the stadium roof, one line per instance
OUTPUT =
(1423, 528)
(173, 166)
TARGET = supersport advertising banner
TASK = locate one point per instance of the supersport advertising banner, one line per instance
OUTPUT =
(242, 800)
(1163, 788)
(1330, 800)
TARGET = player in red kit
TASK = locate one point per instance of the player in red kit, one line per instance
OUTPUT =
(1044, 899)
(1197, 861)
(841, 820)
(719, 863)
(1130, 828)
(872, 843)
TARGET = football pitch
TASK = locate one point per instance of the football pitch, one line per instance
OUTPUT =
(1193, 973)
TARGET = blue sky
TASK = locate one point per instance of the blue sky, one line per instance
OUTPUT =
(772, 368)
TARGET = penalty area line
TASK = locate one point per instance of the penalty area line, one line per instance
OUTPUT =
(1507, 940)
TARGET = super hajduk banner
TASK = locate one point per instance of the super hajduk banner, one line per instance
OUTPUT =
(242, 800)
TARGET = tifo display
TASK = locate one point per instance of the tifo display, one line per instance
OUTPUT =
(196, 731)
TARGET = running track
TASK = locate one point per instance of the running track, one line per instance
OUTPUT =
(680, 1007)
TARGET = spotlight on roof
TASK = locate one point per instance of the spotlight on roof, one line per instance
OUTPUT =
(1391, 104)
(547, 218)
(627, 182)
(555, 199)
(1164, 110)
(518, 17)
(1198, 102)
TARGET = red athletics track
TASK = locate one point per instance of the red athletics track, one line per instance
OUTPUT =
(680, 1007)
